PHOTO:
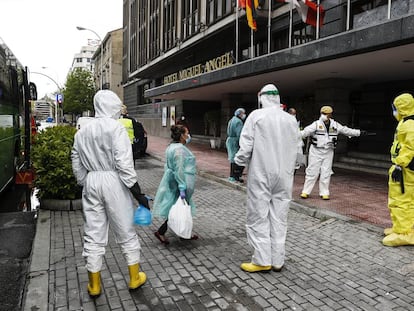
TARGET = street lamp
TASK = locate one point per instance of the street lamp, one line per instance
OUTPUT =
(101, 47)
(59, 88)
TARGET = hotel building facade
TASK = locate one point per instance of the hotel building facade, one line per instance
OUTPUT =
(200, 58)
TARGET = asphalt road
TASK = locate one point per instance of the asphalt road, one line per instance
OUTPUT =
(17, 231)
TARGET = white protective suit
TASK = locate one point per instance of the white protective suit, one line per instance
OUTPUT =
(269, 144)
(102, 163)
(321, 153)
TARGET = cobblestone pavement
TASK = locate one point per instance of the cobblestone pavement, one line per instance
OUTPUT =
(331, 264)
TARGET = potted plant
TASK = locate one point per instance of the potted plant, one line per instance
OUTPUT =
(53, 169)
(212, 127)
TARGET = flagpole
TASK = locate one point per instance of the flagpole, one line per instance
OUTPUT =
(269, 26)
(317, 18)
(348, 14)
(290, 23)
(237, 31)
(251, 43)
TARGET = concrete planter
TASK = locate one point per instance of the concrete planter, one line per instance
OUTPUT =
(61, 205)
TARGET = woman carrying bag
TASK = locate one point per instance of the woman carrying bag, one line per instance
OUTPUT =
(178, 180)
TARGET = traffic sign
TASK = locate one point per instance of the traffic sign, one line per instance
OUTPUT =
(59, 98)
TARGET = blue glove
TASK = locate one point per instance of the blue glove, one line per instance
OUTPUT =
(182, 194)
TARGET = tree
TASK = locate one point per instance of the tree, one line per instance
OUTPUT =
(79, 91)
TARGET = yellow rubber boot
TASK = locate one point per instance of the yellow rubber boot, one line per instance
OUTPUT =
(136, 278)
(251, 267)
(94, 285)
(388, 231)
(395, 239)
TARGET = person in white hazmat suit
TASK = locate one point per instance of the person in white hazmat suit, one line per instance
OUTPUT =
(324, 134)
(270, 144)
(102, 163)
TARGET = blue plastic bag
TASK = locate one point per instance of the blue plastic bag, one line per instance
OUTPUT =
(142, 216)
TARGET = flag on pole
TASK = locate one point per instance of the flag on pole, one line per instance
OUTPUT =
(251, 6)
(308, 11)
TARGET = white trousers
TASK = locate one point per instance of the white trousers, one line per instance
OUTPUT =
(319, 162)
(107, 202)
(266, 225)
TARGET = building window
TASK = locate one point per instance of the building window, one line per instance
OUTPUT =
(154, 33)
(303, 34)
(170, 39)
(142, 33)
(133, 37)
(217, 9)
(366, 5)
(190, 18)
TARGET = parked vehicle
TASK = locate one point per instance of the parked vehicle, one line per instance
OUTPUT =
(15, 93)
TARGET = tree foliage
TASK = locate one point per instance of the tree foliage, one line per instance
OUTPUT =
(53, 165)
(79, 91)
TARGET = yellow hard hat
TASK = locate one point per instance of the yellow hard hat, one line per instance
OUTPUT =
(326, 109)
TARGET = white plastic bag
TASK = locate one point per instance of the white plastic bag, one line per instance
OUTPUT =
(180, 219)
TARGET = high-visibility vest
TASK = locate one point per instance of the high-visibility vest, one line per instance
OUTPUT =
(129, 127)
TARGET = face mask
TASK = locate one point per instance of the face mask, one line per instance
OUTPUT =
(188, 139)
(395, 113)
(243, 116)
(324, 117)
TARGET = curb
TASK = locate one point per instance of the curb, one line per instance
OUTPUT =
(37, 285)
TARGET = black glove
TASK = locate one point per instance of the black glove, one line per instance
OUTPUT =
(397, 176)
(140, 197)
(363, 133)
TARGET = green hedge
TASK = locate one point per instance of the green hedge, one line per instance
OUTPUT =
(52, 163)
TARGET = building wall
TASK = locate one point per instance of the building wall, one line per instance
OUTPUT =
(209, 32)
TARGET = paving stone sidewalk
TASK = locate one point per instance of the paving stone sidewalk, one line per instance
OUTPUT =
(331, 263)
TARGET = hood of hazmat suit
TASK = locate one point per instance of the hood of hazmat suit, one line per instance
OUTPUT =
(269, 96)
(405, 105)
(107, 104)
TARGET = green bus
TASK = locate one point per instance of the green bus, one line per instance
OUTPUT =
(14, 110)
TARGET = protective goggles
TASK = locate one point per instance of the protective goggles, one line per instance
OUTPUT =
(274, 92)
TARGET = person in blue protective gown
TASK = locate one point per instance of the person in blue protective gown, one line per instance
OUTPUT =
(270, 144)
(234, 128)
(102, 164)
(178, 179)
(401, 175)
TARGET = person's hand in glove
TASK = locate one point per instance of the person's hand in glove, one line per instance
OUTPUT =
(140, 197)
(182, 194)
(396, 174)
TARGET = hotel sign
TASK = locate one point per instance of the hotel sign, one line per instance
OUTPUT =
(219, 62)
